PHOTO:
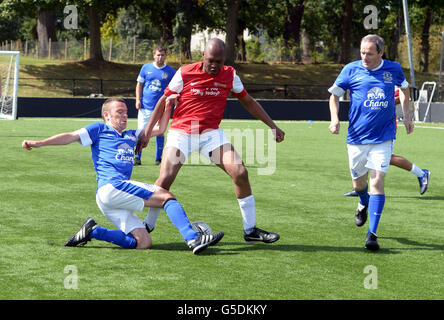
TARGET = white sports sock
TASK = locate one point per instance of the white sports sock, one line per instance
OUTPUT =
(248, 211)
(151, 217)
(417, 171)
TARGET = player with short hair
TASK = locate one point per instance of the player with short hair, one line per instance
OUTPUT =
(372, 129)
(117, 196)
(201, 90)
(152, 80)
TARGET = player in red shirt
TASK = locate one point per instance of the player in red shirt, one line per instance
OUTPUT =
(201, 90)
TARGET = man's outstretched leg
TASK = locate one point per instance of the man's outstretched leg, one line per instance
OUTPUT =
(229, 160)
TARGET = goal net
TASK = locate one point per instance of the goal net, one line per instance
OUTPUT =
(9, 72)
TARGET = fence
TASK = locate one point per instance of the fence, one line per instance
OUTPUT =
(139, 50)
(132, 51)
(86, 87)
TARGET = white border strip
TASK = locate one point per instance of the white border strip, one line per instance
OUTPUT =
(228, 120)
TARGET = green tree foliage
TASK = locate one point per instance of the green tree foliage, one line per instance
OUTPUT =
(290, 28)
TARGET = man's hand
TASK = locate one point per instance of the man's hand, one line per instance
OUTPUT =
(142, 142)
(171, 100)
(409, 126)
(334, 127)
(138, 104)
(278, 134)
(29, 144)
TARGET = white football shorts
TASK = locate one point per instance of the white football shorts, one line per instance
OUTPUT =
(143, 117)
(205, 142)
(119, 200)
(363, 157)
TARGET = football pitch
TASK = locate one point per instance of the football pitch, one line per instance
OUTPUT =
(47, 193)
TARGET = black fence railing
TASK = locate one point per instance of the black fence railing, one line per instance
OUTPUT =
(73, 87)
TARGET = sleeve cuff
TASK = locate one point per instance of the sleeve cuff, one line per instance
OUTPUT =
(404, 84)
(85, 140)
(337, 91)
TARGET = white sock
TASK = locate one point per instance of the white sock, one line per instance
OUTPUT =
(248, 211)
(151, 217)
(417, 171)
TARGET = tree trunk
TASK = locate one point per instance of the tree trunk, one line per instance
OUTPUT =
(95, 48)
(425, 44)
(231, 30)
(306, 46)
(45, 30)
(346, 32)
(395, 36)
(166, 26)
(184, 27)
(292, 27)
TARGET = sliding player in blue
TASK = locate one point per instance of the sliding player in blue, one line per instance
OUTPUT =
(372, 127)
(118, 197)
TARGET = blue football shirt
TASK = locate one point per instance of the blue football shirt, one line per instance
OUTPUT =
(372, 100)
(112, 153)
(154, 80)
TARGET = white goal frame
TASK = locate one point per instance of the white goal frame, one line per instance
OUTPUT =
(7, 94)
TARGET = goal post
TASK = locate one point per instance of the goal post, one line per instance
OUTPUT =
(9, 74)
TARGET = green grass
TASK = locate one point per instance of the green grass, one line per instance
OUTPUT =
(47, 193)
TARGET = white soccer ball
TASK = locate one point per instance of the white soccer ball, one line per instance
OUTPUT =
(201, 228)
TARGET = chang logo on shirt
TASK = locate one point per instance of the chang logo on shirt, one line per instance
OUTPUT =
(376, 99)
(156, 85)
(125, 153)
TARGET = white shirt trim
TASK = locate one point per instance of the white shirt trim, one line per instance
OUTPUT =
(85, 139)
(337, 91)
(237, 84)
(176, 83)
(378, 67)
(404, 84)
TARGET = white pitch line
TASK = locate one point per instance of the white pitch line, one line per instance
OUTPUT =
(228, 120)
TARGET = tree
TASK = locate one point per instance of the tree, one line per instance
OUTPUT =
(95, 49)
(46, 19)
(231, 30)
(95, 16)
(292, 26)
(347, 23)
(44, 10)
(162, 14)
(184, 26)
(425, 45)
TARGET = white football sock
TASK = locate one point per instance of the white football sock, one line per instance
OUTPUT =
(151, 217)
(248, 211)
(417, 171)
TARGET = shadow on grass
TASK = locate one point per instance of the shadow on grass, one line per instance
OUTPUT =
(417, 245)
(223, 248)
(294, 247)
(417, 197)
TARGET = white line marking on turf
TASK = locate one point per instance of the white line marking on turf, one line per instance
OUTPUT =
(228, 120)
(70, 119)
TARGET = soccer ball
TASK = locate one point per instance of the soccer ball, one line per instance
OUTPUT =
(201, 228)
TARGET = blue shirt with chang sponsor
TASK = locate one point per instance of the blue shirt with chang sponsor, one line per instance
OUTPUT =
(112, 153)
(154, 80)
(372, 100)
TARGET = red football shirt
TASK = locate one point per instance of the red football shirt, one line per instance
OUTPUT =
(203, 97)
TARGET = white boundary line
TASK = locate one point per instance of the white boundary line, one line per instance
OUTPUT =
(228, 120)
